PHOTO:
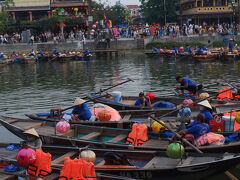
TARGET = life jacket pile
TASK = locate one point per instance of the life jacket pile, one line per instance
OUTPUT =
(42, 165)
(77, 169)
(209, 138)
(138, 135)
(227, 95)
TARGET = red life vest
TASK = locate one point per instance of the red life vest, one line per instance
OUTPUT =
(77, 169)
(42, 166)
(138, 135)
(227, 95)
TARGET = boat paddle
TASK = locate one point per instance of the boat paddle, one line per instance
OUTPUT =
(113, 86)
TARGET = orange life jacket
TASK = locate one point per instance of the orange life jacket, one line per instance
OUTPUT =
(77, 169)
(42, 166)
(138, 135)
(209, 138)
(227, 95)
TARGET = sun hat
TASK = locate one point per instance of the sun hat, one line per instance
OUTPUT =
(205, 103)
(78, 101)
(31, 131)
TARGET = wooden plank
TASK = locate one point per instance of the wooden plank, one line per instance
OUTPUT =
(91, 135)
(11, 121)
(117, 138)
(152, 162)
(37, 125)
(186, 161)
(61, 158)
(69, 133)
(126, 117)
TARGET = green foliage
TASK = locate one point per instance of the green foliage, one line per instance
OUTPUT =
(154, 10)
(217, 44)
(46, 23)
(118, 13)
(168, 45)
(3, 22)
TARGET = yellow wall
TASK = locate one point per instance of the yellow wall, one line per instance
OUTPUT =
(22, 3)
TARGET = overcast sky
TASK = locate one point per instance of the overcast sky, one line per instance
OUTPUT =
(125, 2)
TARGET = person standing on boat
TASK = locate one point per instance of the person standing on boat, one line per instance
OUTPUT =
(87, 52)
(33, 140)
(81, 111)
(143, 100)
(230, 45)
(186, 84)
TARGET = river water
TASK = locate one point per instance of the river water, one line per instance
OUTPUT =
(41, 86)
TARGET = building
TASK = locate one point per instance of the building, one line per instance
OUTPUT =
(207, 11)
(35, 9)
(135, 10)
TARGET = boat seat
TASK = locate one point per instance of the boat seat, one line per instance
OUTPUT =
(37, 125)
(126, 117)
(186, 161)
(153, 161)
(91, 135)
(117, 138)
(69, 133)
(61, 158)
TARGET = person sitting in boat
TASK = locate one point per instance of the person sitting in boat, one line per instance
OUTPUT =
(155, 50)
(87, 52)
(81, 111)
(175, 50)
(32, 53)
(1, 55)
(14, 55)
(186, 84)
(200, 51)
(230, 45)
(55, 52)
(142, 100)
(197, 130)
(33, 140)
(188, 50)
(206, 109)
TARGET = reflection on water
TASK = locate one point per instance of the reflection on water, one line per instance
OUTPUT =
(38, 87)
(41, 86)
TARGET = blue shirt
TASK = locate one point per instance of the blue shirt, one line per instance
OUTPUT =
(83, 112)
(199, 130)
(87, 52)
(187, 112)
(139, 102)
(188, 81)
(155, 50)
(208, 115)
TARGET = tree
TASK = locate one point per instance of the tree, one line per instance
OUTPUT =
(119, 14)
(155, 11)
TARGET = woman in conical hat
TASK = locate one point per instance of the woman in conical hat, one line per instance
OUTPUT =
(33, 140)
(80, 111)
(206, 109)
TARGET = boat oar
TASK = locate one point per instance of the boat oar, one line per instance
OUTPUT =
(113, 86)
(177, 135)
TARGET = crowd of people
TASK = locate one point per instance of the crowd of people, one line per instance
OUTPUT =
(132, 31)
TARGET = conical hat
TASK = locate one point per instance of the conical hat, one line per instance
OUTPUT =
(31, 131)
(205, 103)
(78, 101)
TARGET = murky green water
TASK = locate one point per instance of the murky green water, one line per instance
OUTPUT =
(41, 86)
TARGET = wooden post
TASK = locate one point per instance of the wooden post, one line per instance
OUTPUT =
(201, 3)
(214, 2)
(30, 16)
(195, 5)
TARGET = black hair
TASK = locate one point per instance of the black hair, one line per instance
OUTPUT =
(201, 117)
(178, 77)
(141, 94)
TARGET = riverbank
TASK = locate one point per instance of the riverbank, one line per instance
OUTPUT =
(122, 44)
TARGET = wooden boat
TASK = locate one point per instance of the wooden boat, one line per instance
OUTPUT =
(206, 57)
(230, 56)
(127, 103)
(82, 135)
(139, 164)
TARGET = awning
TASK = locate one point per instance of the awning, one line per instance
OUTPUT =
(28, 8)
(59, 5)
